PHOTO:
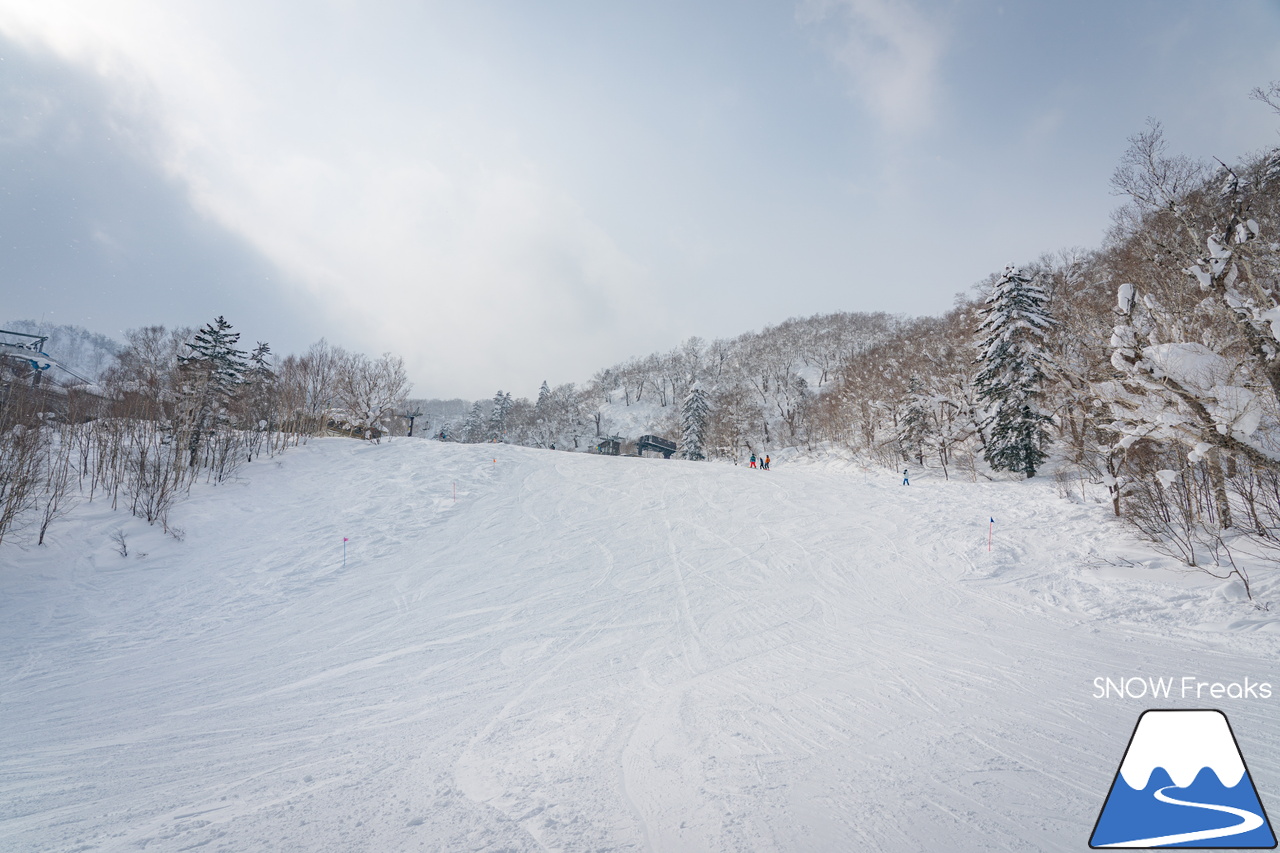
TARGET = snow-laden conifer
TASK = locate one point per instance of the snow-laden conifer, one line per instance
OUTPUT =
(1013, 371)
(473, 427)
(694, 416)
(214, 356)
(914, 428)
(259, 388)
(498, 417)
(210, 377)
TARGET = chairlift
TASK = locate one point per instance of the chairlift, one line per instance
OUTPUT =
(30, 348)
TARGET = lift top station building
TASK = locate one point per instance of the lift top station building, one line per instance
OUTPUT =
(611, 445)
(656, 443)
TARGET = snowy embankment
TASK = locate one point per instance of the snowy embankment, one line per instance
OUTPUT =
(586, 653)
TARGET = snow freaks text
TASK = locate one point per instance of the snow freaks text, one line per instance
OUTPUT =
(1186, 687)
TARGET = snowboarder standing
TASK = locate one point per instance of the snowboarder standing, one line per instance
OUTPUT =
(905, 480)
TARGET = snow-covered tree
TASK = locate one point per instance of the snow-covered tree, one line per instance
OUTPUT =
(543, 427)
(259, 388)
(473, 427)
(502, 403)
(371, 391)
(146, 370)
(694, 416)
(210, 376)
(1184, 392)
(570, 411)
(1219, 242)
(319, 369)
(1014, 371)
(913, 428)
(213, 352)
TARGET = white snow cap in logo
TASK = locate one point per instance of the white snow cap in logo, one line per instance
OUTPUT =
(1183, 743)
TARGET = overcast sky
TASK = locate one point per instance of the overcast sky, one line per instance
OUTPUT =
(506, 192)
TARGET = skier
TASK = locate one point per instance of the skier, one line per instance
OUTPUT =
(766, 463)
(753, 460)
(905, 480)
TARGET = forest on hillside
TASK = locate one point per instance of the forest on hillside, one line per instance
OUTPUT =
(1147, 368)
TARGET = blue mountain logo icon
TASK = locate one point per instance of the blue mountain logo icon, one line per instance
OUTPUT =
(1183, 783)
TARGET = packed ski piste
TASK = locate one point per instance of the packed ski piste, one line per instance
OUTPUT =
(538, 650)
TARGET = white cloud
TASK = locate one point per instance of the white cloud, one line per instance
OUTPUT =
(891, 52)
(418, 222)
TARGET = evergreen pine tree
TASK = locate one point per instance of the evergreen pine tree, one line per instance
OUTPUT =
(914, 427)
(214, 357)
(473, 428)
(1013, 373)
(259, 384)
(498, 417)
(544, 417)
(258, 364)
(210, 378)
(694, 415)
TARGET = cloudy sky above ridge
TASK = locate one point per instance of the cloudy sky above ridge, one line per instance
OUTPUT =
(503, 192)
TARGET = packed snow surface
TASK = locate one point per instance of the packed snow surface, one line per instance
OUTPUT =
(586, 653)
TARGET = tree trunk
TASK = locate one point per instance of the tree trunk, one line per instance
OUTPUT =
(1221, 502)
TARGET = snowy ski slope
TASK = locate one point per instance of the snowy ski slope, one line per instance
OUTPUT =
(588, 654)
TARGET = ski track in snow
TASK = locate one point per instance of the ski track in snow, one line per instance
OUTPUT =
(587, 654)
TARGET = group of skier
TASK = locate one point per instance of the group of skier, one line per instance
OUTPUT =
(764, 466)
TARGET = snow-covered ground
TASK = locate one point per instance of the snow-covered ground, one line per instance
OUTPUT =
(585, 654)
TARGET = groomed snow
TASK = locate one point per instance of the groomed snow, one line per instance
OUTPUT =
(586, 653)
